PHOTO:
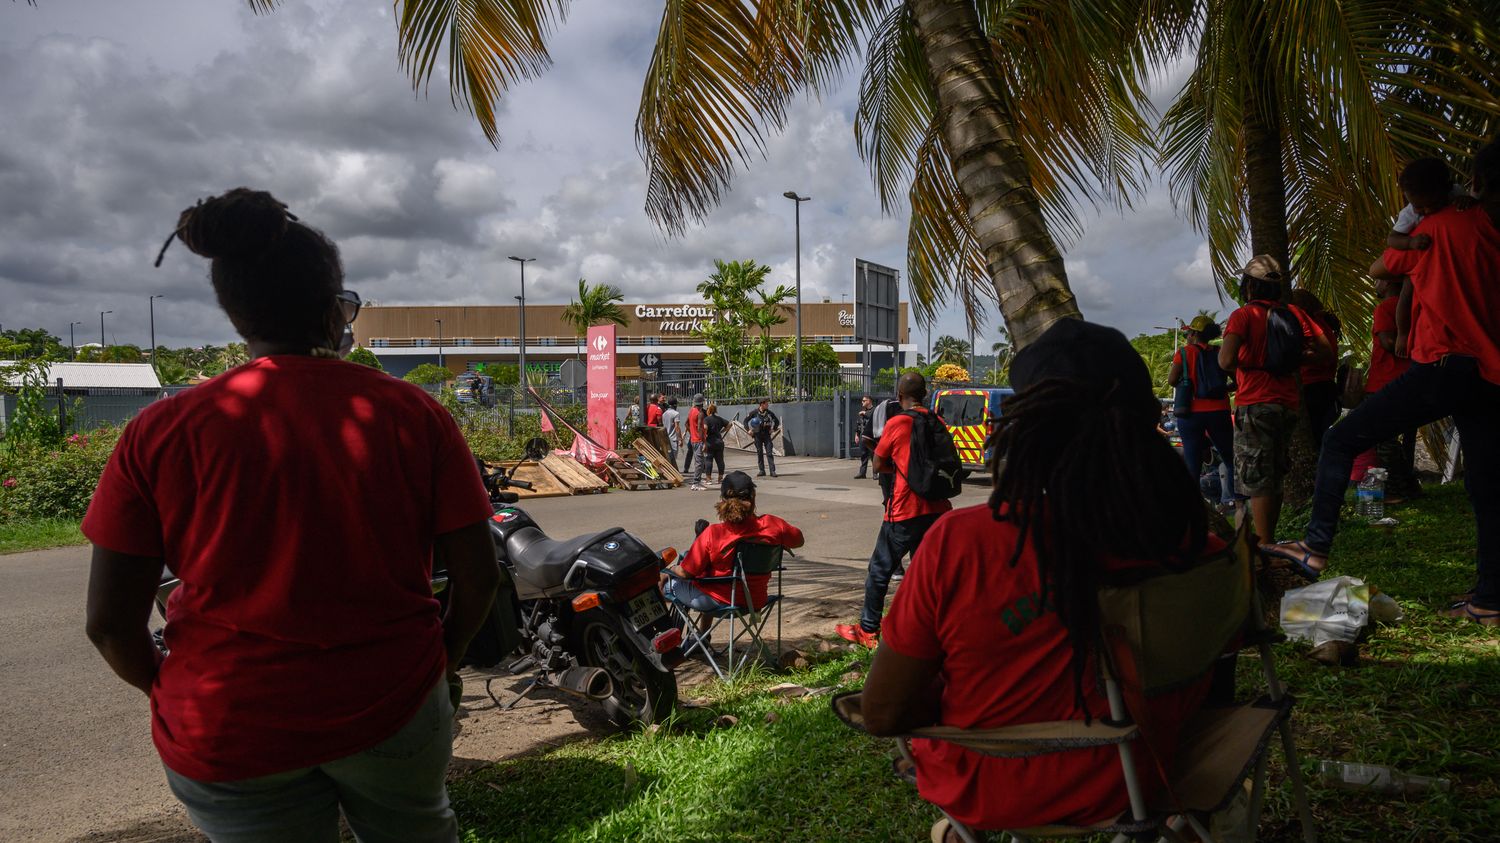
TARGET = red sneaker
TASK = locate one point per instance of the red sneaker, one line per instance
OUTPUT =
(856, 633)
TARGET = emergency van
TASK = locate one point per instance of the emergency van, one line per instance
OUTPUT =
(970, 413)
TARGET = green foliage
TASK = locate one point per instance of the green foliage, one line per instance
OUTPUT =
(819, 357)
(496, 434)
(111, 354)
(428, 374)
(946, 349)
(1157, 350)
(18, 536)
(596, 304)
(31, 344)
(171, 373)
(34, 421)
(53, 481)
(365, 357)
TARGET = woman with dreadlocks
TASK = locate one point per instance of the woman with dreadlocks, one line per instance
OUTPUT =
(300, 500)
(997, 620)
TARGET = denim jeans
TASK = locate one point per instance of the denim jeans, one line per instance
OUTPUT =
(687, 462)
(1322, 402)
(1199, 429)
(864, 458)
(897, 539)
(390, 793)
(1425, 393)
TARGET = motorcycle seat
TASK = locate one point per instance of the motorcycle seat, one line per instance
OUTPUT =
(542, 561)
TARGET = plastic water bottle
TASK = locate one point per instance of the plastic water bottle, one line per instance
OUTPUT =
(1370, 496)
(1375, 778)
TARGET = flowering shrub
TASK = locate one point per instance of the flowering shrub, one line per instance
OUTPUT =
(950, 372)
(56, 481)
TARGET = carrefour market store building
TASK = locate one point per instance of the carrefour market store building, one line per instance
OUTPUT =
(406, 336)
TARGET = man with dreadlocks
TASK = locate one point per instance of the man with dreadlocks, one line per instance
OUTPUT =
(997, 620)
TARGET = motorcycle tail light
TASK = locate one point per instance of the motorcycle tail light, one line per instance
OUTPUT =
(586, 601)
(667, 641)
(668, 556)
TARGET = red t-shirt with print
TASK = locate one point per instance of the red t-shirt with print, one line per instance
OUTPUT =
(1455, 288)
(297, 499)
(712, 554)
(895, 446)
(653, 415)
(1257, 386)
(1005, 661)
(1384, 366)
(1190, 371)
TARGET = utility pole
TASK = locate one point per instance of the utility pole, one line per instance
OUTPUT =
(151, 304)
(797, 202)
(440, 340)
(101, 330)
(72, 345)
(521, 372)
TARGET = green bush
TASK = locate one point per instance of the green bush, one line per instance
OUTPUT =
(495, 434)
(427, 374)
(37, 481)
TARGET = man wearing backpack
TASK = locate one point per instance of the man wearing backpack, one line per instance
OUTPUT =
(1207, 421)
(908, 515)
(1265, 344)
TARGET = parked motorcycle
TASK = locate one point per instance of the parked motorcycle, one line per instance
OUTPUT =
(583, 614)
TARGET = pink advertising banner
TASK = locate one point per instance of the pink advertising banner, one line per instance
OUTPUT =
(601, 362)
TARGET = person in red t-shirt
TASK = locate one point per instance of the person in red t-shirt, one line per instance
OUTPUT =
(1320, 389)
(1208, 423)
(994, 627)
(300, 501)
(1398, 455)
(712, 553)
(1455, 370)
(908, 515)
(654, 409)
(1265, 403)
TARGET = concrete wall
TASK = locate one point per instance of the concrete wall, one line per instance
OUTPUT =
(810, 428)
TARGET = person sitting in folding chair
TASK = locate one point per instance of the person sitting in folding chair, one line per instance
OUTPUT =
(997, 622)
(705, 580)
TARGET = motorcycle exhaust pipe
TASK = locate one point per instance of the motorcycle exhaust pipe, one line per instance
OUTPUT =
(588, 682)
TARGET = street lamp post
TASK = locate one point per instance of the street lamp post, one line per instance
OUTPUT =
(151, 305)
(440, 340)
(72, 345)
(521, 372)
(101, 330)
(797, 203)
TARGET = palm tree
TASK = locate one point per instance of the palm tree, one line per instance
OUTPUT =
(1001, 348)
(770, 312)
(729, 289)
(948, 349)
(596, 304)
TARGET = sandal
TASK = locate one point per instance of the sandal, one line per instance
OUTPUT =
(904, 770)
(1288, 552)
(1464, 610)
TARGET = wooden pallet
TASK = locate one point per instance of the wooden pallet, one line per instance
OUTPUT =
(544, 484)
(663, 465)
(627, 473)
(568, 472)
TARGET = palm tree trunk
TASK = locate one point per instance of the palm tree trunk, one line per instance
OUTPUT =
(1265, 180)
(1025, 263)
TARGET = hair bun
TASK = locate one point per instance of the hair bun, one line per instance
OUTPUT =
(240, 223)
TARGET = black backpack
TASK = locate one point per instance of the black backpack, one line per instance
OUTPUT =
(1284, 341)
(933, 469)
(1209, 380)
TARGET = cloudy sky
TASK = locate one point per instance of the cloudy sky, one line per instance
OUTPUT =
(114, 116)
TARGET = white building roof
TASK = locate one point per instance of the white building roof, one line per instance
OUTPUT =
(96, 375)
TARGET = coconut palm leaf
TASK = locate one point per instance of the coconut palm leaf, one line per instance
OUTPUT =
(490, 44)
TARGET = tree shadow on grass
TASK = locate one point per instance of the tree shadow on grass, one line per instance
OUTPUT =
(541, 798)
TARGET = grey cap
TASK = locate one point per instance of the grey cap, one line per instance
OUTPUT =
(698, 398)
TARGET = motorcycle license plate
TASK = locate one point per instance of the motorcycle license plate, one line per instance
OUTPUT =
(645, 608)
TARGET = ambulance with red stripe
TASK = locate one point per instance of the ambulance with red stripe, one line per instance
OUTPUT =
(970, 413)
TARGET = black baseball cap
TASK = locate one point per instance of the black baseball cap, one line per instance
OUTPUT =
(737, 484)
(1096, 356)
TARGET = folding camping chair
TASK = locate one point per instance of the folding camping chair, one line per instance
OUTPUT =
(1160, 633)
(744, 620)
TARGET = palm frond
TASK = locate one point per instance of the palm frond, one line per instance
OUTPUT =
(896, 106)
(722, 75)
(490, 44)
(943, 257)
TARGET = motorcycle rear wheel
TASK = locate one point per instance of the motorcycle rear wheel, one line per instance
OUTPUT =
(643, 693)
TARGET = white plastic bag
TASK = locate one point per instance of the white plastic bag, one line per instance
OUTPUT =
(1334, 609)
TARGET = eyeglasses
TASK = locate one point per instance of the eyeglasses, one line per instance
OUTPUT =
(349, 301)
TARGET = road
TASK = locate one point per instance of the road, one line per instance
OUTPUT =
(78, 764)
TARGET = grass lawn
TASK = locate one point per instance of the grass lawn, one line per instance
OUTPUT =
(1424, 700)
(16, 536)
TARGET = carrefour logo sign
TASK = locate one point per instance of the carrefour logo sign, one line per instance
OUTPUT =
(600, 343)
